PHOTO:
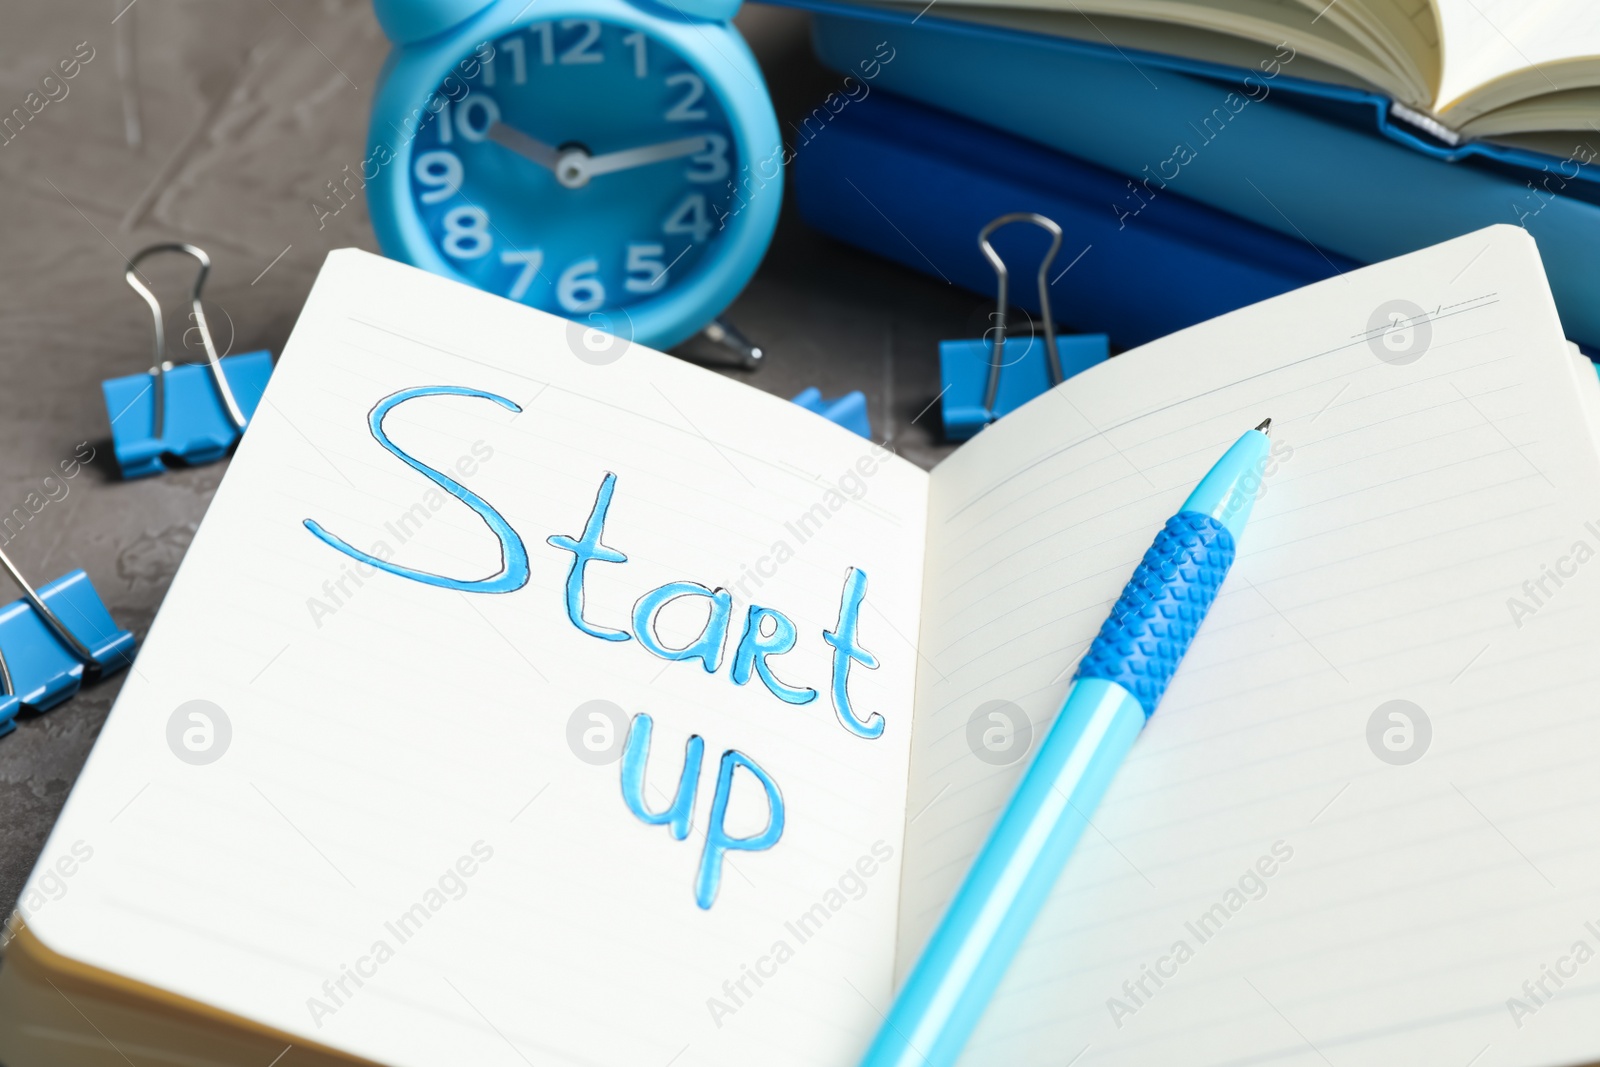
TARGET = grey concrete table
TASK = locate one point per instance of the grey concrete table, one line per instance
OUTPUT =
(220, 123)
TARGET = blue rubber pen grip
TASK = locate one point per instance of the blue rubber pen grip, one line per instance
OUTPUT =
(1161, 608)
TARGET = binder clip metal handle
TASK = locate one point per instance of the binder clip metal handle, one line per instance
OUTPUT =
(1003, 306)
(973, 394)
(161, 364)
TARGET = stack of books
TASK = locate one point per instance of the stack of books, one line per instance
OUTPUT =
(1203, 155)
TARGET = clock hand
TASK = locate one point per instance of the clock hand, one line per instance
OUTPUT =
(629, 158)
(545, 155)
(575, 166)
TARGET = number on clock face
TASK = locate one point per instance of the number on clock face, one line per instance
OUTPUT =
(584, 166)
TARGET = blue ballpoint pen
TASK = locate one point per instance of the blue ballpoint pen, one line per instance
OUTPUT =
(1116, 690)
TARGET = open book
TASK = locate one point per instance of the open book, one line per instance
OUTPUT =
(530, 698)
(1465, 68)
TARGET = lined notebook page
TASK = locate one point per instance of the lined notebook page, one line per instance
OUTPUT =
(380, 747)
(1332, 907)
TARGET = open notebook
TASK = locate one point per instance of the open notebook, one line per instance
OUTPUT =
(1478, 68)
(408, 846)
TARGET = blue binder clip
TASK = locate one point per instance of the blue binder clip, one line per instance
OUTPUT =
(189, 414)
(51, 640)
(975, 393)
(849, 411)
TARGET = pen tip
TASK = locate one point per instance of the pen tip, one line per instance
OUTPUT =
(1266, 427)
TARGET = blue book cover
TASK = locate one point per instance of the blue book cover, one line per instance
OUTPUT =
(915, 185)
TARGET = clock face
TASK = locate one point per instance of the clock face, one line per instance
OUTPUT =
(585, 166)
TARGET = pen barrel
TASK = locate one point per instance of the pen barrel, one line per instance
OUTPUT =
(1009, 881)
(1117, 687)
(1161, 608)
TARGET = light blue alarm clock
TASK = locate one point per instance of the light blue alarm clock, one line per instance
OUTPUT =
(614, 162)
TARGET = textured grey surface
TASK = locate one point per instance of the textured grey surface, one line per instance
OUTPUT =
(246, 111)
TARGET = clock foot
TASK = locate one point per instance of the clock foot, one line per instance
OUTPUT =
(726, 336)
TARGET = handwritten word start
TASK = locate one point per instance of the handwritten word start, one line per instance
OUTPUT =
(765, 633)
